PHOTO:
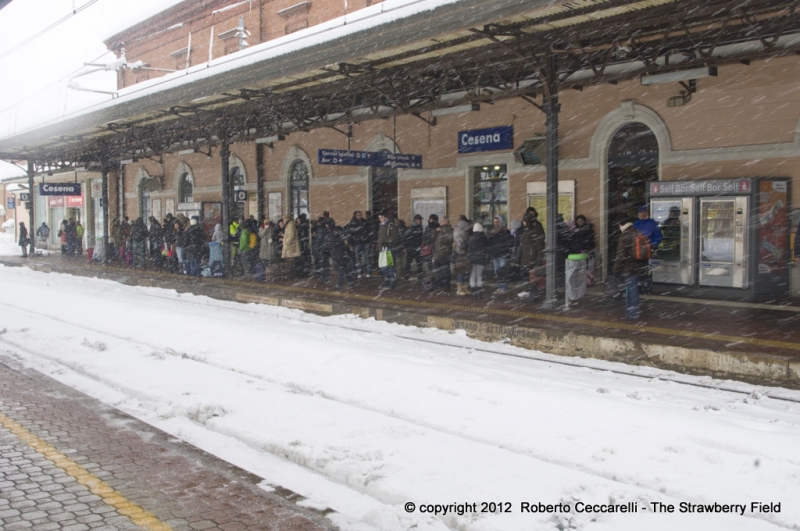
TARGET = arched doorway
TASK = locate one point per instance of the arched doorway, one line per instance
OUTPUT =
(298, 189)
(384, 189)
(632, 162)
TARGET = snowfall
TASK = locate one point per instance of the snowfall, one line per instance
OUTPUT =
(367, 417)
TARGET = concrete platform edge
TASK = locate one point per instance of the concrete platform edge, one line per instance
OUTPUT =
(755, 367)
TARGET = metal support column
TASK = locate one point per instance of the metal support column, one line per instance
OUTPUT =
(31, 211)
(551, 108)
(104, 204)
(262, 210)
(225, 155)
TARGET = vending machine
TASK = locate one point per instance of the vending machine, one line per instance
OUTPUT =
(726, 238)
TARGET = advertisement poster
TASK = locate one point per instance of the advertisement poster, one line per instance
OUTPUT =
(275, 206)
(252, 205)
(565, 206)
(773, 234)
(212, 214)
(155, 210)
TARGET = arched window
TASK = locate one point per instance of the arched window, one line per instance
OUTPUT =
(185, 188)
(144, 201)
(237, 177)
(384, 189)
(298, 188)
(237, 183)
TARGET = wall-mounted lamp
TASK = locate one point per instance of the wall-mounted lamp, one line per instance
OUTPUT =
(458, 109)
(680, 75)
(270, 139)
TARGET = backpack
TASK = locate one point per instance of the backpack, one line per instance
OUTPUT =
(253, 240)
(640, 250)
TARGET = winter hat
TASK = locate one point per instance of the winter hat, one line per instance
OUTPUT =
(477, 228)
(194, 221)
(462, 225)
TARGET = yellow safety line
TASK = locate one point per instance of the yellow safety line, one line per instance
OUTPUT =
(95, 485)
(528, 315)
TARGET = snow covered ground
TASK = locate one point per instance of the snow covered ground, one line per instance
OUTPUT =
(364, 417)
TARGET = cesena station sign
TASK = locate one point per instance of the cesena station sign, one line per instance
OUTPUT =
(59, 188)
(491, 139)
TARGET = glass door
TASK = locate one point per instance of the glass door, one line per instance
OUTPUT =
(490, 197)
(717, 228)
(666, 262)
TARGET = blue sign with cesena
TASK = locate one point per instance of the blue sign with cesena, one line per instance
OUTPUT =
(379, 159)
(491, 139)
(59, 188)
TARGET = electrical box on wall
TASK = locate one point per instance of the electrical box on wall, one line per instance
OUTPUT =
(532, 152)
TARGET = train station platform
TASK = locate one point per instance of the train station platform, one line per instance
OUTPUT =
(70, 462)
(759, 343)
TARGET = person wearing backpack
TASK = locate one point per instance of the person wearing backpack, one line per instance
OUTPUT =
(650, 229)
(633, 255)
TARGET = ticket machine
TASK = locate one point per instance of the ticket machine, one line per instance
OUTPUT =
(722, 235)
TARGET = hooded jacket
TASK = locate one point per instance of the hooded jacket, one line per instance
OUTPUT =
(267, 249)
(532, 243)
(460, 237)
(291, 243)
(477, 248)
(625, 263)
(443, 244)
(195, 239)
(358, 231)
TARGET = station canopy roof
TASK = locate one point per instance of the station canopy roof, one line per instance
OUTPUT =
(410, 58)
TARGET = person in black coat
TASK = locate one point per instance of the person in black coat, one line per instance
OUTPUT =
(139, 235)
(195, 240)
(412, 241)
(320, 246)
(340, 256)
(582, 240)
(501, 245)
(23, 239)
(156, 242)
(304, 238)
(358, 235)
(478, 254)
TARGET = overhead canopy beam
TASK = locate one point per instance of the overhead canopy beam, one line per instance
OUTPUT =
(497, 61)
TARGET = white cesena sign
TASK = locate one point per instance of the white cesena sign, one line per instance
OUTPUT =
(60, 189)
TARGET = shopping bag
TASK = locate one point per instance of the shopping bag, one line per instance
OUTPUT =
(385, 258)
(538, 275)
(462, 265)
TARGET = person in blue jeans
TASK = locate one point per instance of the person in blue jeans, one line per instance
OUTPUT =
(357, 232)
(501, 243)
(626, 265)
(649, 228)
(388, 240)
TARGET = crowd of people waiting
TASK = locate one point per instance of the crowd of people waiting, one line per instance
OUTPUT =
(367, 245)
